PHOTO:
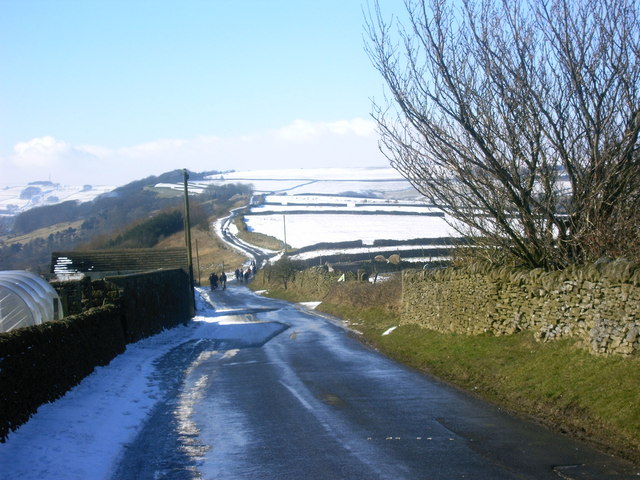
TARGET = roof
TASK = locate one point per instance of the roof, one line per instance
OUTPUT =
(118, 261)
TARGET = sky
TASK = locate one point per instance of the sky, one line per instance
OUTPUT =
(108, 91)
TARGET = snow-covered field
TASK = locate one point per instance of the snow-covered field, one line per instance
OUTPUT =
(380, 182)
(308, 229)
(285, 203)
(310, 206)
(19, 198)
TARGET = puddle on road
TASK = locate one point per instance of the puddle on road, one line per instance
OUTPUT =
(239, 333)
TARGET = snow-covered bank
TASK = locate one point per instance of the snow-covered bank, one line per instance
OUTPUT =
(81, 435)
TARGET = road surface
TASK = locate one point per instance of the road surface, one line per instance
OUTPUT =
(290, 394)
(256, 254)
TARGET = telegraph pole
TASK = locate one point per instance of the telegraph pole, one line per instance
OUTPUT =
(284, 224)
(187, 235)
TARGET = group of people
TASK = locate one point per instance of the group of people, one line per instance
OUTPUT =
(245, 275)
(214, 279)
(242, 276)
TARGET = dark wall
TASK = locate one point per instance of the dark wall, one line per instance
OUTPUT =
(40, 364)
(154, 301)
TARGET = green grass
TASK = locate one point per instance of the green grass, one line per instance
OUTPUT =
(593, 398)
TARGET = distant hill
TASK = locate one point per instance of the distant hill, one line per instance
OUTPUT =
(27, 239)
(18, 199)
(143, 212)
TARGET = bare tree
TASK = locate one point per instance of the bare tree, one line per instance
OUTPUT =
(520, 119)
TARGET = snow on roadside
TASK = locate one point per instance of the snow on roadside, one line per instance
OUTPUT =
(310, 305)
(388, 331)
(81, 435)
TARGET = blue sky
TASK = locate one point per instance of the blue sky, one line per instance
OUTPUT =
(98, 91)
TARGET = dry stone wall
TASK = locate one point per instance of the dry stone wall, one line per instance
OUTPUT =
(597, 304)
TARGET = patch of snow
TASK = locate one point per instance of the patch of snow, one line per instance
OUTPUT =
(310, 305)
(194, 188)
(388, 331)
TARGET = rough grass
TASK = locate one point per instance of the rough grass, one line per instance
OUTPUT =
(255, 238)
(211, 253)
(596, 399)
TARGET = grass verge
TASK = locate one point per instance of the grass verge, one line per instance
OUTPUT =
(209, 253)
(595, 399)
(256, 238)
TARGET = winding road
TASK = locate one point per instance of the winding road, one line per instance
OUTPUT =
(222, 229)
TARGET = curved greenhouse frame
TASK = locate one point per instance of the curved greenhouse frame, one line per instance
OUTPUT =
(26, 299)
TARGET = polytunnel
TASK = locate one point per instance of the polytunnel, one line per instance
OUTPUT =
(26, 299)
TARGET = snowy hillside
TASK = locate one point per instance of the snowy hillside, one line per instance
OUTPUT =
(376, 207)
(20, 198)
(362, 182)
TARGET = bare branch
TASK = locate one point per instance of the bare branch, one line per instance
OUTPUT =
(521, 120)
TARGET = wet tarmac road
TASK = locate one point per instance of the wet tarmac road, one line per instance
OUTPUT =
(289, 394)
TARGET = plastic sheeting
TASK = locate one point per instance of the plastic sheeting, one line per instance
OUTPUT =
(26, 299)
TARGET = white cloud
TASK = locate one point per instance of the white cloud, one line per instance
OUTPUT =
(40, 152)
(300, 144)
(302, 130)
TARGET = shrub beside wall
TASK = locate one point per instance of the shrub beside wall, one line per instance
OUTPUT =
(40, 364)
(315, 282)
(154, 301)
(597, 304)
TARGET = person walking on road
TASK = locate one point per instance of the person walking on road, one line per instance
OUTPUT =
(223, 280)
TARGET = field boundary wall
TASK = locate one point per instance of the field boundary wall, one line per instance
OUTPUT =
(599, 304)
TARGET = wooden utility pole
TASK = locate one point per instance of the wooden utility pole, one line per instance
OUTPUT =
(198, 263)
(187, 235)
(284, 223)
